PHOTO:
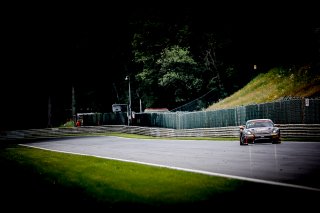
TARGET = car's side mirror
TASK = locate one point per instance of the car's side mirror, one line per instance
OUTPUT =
(277, 125)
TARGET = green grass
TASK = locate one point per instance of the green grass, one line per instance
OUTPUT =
(130, 135)
(306, 139)
(68, 124)
(273, 85)
(127, 135)
(115, 183)
(73, 181)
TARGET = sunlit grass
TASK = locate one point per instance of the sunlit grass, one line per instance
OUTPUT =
(128, 135)
(270, 86)
(138, 136)
(113, 182)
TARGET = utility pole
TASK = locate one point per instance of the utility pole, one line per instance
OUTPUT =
(129, 108)
(140, 106)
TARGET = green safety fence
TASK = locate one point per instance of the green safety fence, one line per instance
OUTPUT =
(291, 111)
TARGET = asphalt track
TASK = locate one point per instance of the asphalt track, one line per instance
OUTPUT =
(292, 164)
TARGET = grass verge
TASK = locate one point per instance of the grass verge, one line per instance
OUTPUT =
(33, 178)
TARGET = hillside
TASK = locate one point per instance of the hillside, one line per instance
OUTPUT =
(277, 83)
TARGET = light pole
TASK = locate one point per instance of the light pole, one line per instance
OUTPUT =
(129, 110)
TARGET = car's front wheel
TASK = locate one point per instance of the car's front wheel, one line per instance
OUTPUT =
(276, 141)
(242, 140)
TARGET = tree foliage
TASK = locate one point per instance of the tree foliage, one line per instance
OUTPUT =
(178, 74)
(169, 74)
(182, 55)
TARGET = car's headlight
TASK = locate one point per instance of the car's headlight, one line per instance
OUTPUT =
(248, 132)
(275, 130)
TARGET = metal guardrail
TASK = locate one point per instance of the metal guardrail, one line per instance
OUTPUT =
(287, 131)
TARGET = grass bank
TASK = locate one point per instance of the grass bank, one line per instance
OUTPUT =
(273, 85)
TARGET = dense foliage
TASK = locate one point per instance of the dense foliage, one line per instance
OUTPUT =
(180, 55)
(172, 55)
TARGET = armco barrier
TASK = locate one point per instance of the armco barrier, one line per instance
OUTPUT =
(287, 131)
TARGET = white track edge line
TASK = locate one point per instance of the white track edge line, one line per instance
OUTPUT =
(187, 170)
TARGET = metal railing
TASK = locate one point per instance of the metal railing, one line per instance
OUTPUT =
(287, 131)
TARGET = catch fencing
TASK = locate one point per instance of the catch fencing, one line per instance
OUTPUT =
(285, 111)
(298, 118)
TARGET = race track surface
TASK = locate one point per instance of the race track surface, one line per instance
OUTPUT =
(296, 164)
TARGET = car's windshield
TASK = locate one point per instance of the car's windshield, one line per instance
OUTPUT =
(255, 124)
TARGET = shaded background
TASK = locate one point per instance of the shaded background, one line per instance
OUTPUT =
(46, 52)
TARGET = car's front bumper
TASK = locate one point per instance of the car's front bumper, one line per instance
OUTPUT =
(272, 136)
(250, 138)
